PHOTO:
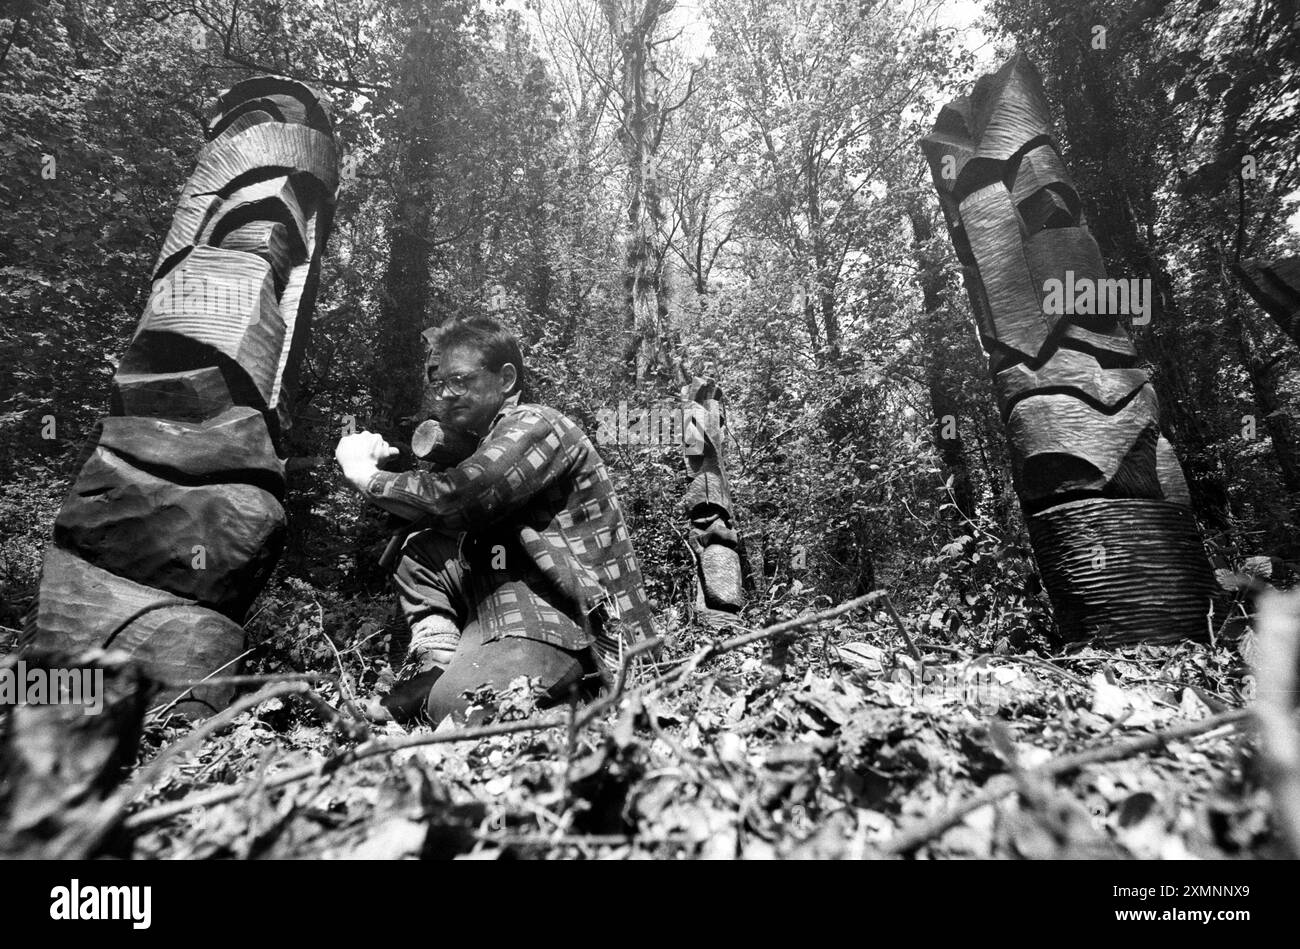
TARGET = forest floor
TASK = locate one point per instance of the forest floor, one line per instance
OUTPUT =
(830, 740)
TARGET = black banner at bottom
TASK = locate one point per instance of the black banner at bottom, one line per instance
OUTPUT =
(134, 899)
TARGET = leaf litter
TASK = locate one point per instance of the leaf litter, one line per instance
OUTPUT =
(830, 742)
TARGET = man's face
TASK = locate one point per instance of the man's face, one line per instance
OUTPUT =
(484, 390)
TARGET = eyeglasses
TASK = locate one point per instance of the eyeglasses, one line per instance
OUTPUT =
(457, 385)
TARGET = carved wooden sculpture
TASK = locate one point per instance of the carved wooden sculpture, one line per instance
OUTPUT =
(1276, 288)
(1104, 496)
(175, 520)
(713, 537)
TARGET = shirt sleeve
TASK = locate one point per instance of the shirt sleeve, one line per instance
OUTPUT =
(526, 453)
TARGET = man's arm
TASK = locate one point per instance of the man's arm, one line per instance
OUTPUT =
(525, 454)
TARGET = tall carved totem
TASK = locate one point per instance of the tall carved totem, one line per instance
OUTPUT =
(175, 520)
(1104, 496)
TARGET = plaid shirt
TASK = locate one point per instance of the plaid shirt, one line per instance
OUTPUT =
(535, 486)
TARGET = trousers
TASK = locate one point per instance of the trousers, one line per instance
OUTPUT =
(433, 586)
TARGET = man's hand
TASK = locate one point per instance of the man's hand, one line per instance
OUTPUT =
(359, 456)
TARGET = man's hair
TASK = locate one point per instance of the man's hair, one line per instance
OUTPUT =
(496, 343)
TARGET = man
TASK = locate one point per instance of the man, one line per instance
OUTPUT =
(525, 566)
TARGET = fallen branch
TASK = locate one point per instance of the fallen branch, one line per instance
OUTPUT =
(371, 749)
(254, 679)
(1045, 664)
(714, 650)
(168, 706)
(999, 787)
(162, 812)
(911, 646)
(111, 810)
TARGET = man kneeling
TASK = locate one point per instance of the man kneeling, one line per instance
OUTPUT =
(523, 565)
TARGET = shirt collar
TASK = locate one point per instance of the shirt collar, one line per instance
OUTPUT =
(509, 405)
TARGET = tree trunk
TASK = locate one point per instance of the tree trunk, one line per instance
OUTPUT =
(175, 521)
(944, 427)
(427, 69)
(1120, 232)
(632, 24)
(1104, 497)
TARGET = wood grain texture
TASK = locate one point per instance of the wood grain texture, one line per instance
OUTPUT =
(267, 145)
(252, 112)
(1008, 111)
(435, 442)
(1121, 571)
(1068, 370)
(712, 536)
(1041, 169)
(1061, 445)
(297, 102)
(174, 521)
(192, 213)
(223, 299)
(274, 199)
(721, 567)
(1081, 417)
(296, 305)
(86, 607)
(1110, 343)
(268, 240)
(233, 446)
(212, 543)
(1014, 304)
(1173, 483)
(191, 395)
(1056, 254)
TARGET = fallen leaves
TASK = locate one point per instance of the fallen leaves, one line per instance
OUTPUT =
(831, 753)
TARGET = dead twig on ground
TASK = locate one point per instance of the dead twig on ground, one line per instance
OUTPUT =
(1045, 664)
(906, 841)
(110, 812)
(377, 747)
(714, 650)
(255, 679)
(898, 621)
(166, 707)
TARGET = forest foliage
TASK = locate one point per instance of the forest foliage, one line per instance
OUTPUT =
(747, 200)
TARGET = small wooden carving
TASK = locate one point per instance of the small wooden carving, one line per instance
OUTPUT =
(712, 536)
